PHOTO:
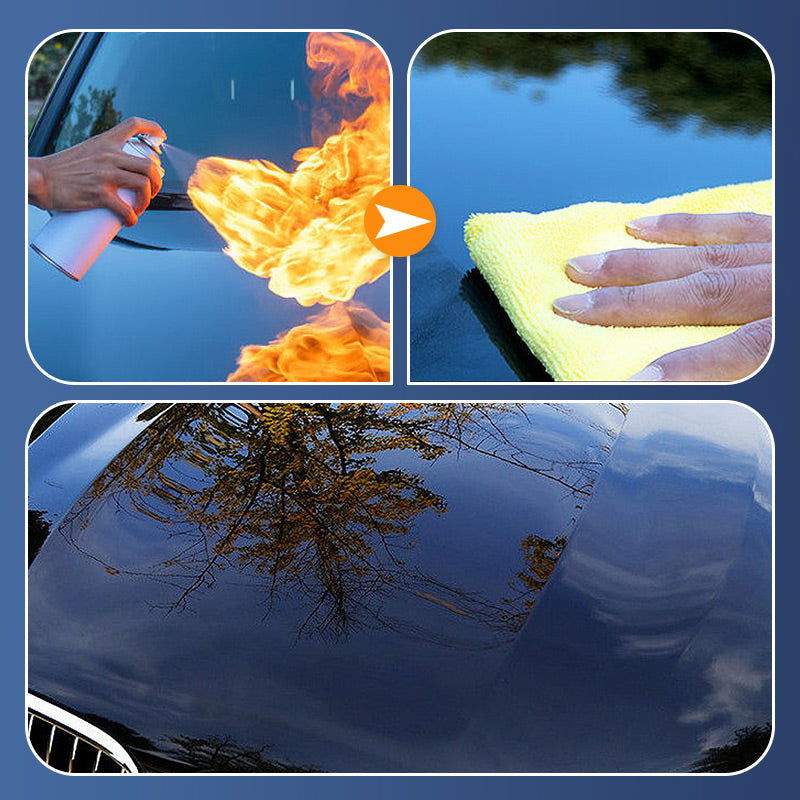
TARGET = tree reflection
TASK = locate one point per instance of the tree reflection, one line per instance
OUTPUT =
(218, 754)
(540, 557)
(213, 753)
(91, 112)
(722, 79)
(38, 531)
(744, 749)
(300, 496)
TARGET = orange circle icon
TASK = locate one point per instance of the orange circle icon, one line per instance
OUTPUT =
(400, 220)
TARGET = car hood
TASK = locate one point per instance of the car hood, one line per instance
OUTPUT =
(165, 304)
(404, 588)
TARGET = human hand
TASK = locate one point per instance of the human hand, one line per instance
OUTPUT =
(89, 174)
(723, 276)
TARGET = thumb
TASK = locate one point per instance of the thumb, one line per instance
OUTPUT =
(729, 358)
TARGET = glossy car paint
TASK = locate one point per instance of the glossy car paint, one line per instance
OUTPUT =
(547, 134)
(156, 315)
(646, 641)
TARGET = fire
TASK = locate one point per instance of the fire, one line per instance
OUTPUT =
(346, 342)
(304, 229)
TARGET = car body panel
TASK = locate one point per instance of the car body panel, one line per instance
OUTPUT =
(653, 644)
(150, 315)
(628, 645)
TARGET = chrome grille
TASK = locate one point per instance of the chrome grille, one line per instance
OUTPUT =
(67, 743)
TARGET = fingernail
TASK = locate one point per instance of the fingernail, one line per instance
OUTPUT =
(638, 226)
(650, 374)
(588, 265)
(573, 305)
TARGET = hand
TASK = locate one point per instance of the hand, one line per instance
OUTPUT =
(723, 277)
(89, 174)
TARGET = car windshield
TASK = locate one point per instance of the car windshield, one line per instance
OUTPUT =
(188, 314)
(236, 95)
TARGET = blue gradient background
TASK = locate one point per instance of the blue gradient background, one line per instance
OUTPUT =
(400, 28)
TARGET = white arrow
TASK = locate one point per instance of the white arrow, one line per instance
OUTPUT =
(395, 221)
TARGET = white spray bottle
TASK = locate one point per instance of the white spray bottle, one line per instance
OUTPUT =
(72, 240)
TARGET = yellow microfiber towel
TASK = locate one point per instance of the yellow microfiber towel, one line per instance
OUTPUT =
(522, 257)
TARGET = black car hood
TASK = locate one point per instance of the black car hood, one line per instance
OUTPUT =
(404, 588)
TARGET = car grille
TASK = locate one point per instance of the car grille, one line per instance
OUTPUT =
(68, 743)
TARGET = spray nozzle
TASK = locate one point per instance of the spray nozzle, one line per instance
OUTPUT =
(149, 140)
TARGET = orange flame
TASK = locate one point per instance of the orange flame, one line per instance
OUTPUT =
(342, 343)
(304, 230)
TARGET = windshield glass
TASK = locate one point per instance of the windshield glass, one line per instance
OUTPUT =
(236, 95)
(191, 313)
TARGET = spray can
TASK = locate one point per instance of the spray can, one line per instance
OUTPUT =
(72, 240)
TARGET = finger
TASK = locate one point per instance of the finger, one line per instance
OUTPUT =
(637, 266)
(149, 168)
(133, 125)
(140, 184)
(729, 358)
(115, 203)
(703, 228)
(710, 297)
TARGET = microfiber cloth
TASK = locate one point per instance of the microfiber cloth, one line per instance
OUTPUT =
(522, 256)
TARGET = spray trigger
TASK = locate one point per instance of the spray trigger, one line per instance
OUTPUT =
(149, 140)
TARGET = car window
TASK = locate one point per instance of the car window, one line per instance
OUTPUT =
(236, 95)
